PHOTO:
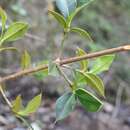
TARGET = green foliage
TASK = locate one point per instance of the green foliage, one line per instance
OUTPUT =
(82, 32)
(14, 32)
(3, 19)
(25, 60)
(92, 80)
(88, 100)
(59, 18)
(83, 75)
(102, 64)
(17, 104)
(31, 107)
(83, 63)
(65, 105)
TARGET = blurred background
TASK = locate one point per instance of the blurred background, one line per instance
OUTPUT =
(108, 22)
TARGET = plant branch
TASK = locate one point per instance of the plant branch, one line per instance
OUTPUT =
(65, 61)
(5, 98)
(65, 76)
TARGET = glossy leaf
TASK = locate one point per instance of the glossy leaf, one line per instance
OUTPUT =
(52, 69)
(25, 60)
(88, 100)
(63, 7)
(80, 5)
(102, 63)
(15, 31)
(93, 81)
(65, 105)
(17, 104)
(3, 19)
(83, 63)
(59, 18)
(81, 32)
(32, 106)
(72, 4)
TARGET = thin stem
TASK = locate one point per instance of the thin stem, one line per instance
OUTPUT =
(62, 44)
(65, 61)
(5, 97)
(64, 76)
(25, 122)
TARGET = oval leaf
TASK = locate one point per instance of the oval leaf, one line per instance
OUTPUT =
(59, 18)
(102, 63)
(82, 32)
(63, 7)
(93, 81)
(32, 106)
(65, 105)
(88, 100)
(15, 31)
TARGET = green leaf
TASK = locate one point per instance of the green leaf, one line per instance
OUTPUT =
(17, 104)
(93, 81)
(65, 105)
(15, 31)
(25, 60)
(102, 63)
(3, 19)
(59, 18)
(52, 69)
(63, 7)
(81, 32)
(88, 100)
(32, 106)
(83, 63)
(80, 5)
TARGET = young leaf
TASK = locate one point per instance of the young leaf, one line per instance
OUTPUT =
(32, 106)
(63, 7)
(93, 81)
(82, 32)
(3, 19)
(17, 104)
(52, 69)
(102, 64)
(80, 5)
(14, 32)
(72, 4)
(25, 60)
(59, 18)
(65, 105)
(88, 100)
(83, 63)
